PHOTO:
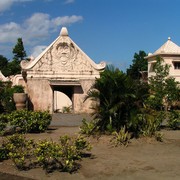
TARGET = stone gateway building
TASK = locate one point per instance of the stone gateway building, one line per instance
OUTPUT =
(59, 77)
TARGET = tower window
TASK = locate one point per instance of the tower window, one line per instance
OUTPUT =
(177, 65)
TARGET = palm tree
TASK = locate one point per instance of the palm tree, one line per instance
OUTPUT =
(115, 93)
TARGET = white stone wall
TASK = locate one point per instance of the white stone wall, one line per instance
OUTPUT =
(40, 94)
(167, 60)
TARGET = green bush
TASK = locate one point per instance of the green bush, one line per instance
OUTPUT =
(146, 122)
(159, 136)
(19, 119)
(88, 128)
(26, 121)
(18, 89)
(3, 153)
(38, 121)
(174, 119)
(7, 104)
(72, 149)
(48, 154)
(3, 123)
(82, 144)
(121, 138)
(6, 97)
(20, 151)
(61, 156)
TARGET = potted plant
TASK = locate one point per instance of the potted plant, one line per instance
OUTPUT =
(19, 97)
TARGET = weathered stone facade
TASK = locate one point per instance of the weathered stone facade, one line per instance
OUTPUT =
(60, 76)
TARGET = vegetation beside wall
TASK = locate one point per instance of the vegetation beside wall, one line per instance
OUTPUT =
(7, 104)
(127, 105)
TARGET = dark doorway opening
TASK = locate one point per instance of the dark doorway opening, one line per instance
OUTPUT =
(68, 90)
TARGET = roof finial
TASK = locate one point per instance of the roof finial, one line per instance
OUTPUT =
(64, 31)
(169, 38)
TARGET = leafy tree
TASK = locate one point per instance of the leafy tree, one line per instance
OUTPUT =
(3, 65)
(164, 89)
(18, 50)
(14, 67)
(9, 67)
(19, 54)
(6, 97)
(139, 64)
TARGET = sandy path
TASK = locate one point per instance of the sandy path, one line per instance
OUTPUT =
(143, 159)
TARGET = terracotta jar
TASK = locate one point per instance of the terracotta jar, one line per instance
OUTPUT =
(20, 100)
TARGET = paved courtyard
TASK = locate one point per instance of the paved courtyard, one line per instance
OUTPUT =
(62, 119)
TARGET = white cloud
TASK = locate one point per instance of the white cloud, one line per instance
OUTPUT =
(37, 50)
(9, 32)
(34, 29)
(6, 4)
(67, 20)
(37, 26)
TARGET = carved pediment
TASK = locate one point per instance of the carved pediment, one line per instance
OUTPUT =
(63, 56)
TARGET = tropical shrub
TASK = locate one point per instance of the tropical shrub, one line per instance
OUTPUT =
(26, 121)
(146, 122)
(158, 136)
(82, 145)
(88, 128)
(72, 149)
(7, 104)
(115, 93)
(48, 154)
(19, 119)
(69, 154)
(3, 153)
(149, 125)
(61, 156)
(6, 97)
(38, 121)
(3, 123)
(121, 138)
(20, 151)
(174, 119)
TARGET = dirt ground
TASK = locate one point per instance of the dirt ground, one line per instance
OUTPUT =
(143, 159)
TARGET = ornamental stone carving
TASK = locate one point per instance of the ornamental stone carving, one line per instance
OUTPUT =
(63, 55)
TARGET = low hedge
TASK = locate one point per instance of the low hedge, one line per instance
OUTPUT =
(25, 121)
(63, 155)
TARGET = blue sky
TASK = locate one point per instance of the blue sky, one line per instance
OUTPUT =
(106, 30)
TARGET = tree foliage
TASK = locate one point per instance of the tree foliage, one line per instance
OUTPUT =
(19, 51)
(164, 89)
(3, 65)
(13, 67)
(19, 54)
(115, 92)
(139, 64)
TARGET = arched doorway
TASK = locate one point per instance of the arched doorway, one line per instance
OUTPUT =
(63, 98)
